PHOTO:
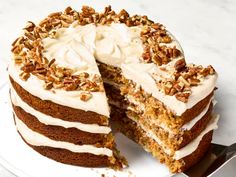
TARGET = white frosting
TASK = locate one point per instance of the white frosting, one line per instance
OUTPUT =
(118, 44)
(66, 98)
(73, 47)
(192, 146)
(36, 139)
(189, 148)
(49, 120)
(191, 123)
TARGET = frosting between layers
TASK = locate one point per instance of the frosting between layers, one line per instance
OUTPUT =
(36, 139)
(191, 123)
(145, 80)
(186, 126)
(189, 148)
(49, 120)
(192, 146)
(66, 98)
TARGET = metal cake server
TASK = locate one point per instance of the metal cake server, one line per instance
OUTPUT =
(214, 161)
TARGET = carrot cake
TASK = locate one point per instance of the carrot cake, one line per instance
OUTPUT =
(75, 70)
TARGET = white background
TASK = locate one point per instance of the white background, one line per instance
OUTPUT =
(206, 30)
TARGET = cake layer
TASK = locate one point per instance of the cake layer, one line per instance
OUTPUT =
(173, 139)
(69, 153)
(131, 130)
(37, 139)
(190, 147)
(176, 140)
(49, 120)
(119, 116)
(58, 111)
(172, 142)
(68, 157)
(58, 133)
(35, 85)
(181, 159)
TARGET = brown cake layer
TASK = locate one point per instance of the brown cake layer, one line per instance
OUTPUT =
(58, 133)
(80, 159)
(59, 111)
(110, 73)
(68, 157)
(72, 158)
(178, 139)
(172, 141)
(132, 131)
(114, 96)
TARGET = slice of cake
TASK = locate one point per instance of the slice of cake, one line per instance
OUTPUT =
(60, 104)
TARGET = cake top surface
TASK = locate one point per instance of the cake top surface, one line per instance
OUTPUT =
(61, 53)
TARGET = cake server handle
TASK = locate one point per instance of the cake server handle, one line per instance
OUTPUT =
(224, 157)
(212, 161)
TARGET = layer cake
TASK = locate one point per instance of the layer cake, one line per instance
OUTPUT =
(74, 70)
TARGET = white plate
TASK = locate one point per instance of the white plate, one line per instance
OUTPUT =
(21, 160)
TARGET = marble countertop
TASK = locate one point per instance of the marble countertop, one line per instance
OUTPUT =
(205, 29)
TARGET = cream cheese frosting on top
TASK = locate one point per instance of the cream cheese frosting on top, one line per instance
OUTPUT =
(78, 47)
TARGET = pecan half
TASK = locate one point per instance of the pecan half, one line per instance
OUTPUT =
(180, 64)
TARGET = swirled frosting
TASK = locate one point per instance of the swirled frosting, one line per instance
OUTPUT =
(78, 47)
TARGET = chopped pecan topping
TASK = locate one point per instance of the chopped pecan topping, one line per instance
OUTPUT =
(146, 54)
(48, 85)
(183, 96)
(85, 96)
(30, 26)
(155, 38)
(180, 64)
(18, 59)
(28, 49)
(28, 67)
(70, 86)
(180, 85)
(24, 76)
(193, 81)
